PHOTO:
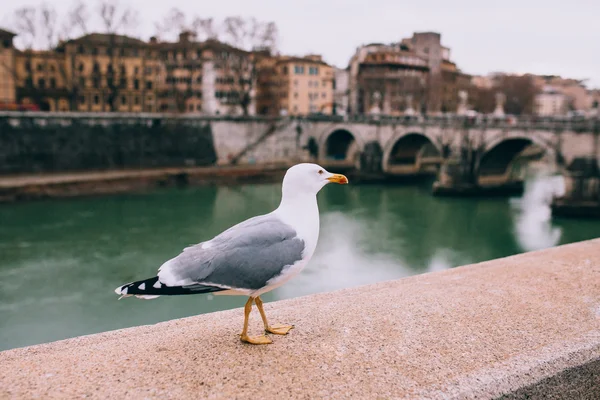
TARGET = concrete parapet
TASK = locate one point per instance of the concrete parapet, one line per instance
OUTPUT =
(526, 326)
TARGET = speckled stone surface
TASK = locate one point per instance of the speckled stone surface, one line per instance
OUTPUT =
(480, 331)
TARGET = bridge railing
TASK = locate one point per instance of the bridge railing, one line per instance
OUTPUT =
(577, 124)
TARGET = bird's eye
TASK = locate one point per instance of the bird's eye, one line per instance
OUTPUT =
(320, 172)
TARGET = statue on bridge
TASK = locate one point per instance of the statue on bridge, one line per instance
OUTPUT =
(500, 100)
(462, 102)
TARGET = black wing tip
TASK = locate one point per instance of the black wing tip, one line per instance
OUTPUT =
(149, 287)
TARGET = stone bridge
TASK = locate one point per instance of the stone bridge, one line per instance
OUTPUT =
(404, 147)
(412, 146)
(482, 148)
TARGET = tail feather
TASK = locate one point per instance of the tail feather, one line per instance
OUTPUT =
(152, 288)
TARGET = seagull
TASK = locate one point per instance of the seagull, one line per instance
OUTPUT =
(252, 257)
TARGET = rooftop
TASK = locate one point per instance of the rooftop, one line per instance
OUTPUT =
(5, 33)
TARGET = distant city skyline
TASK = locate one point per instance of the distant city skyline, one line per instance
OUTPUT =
(547, 38)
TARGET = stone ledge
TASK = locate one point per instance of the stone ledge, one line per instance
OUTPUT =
(527, 325)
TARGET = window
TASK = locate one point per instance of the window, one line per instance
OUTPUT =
(82, 82)
(81, 99)
(40, 67)
(96, 99)
(313, 70)
(295, 95)
(136, 100)
(136, 70)
(96, 82)
(191, 107)
(136, 84)
(95, 52)
(199, 79)
(148, 70)
(123, 100)
(198, 107)
(52, 69)
(123, 83)
(52, 83)
(149, 85)
(96, 67)
(81, 67)
(299, 69)
(323, 95)
(123, 70)
(41, 83)
(285, 70)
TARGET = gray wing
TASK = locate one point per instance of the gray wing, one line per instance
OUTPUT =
(245, 256)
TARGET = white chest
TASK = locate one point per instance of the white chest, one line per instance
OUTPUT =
(304, 218)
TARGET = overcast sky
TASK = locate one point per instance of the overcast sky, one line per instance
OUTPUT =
(537, 36)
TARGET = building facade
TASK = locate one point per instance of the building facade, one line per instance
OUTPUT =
(40, 80)
(341, 91)
(93, 73)
(208, 78)
(296, 85)
(551, 101)
(415, 74)
(108, 72)
(442, 93)
(7, 66)
(453, 81)
(388, 79)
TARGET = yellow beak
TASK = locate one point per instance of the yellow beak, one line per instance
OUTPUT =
(338, 178)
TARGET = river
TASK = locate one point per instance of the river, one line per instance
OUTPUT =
(60, 260)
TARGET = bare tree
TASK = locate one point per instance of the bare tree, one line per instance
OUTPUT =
(482, 99)
(116, 20)
(38, 29)
(269, 86)
(520, 91)
(236, 62)
(175, 22)
(180, 88)
(249, 35)
(42, 28)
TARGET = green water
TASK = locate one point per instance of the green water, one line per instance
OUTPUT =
(61, 260)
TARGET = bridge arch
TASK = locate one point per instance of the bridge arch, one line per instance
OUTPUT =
(500, 154)
(340, 145)
(407, 150)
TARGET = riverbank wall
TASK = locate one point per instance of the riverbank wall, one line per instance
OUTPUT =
(526, 326)
(82, 184)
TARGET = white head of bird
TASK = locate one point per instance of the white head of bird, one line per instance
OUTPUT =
(308, 179)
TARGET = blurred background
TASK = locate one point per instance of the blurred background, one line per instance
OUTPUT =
(130, 129)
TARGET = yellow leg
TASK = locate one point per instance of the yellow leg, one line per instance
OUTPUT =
(262, 339)
(277, 329)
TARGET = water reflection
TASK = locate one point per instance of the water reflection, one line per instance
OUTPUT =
(61, 260)
(343, 259)
(532, 213)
